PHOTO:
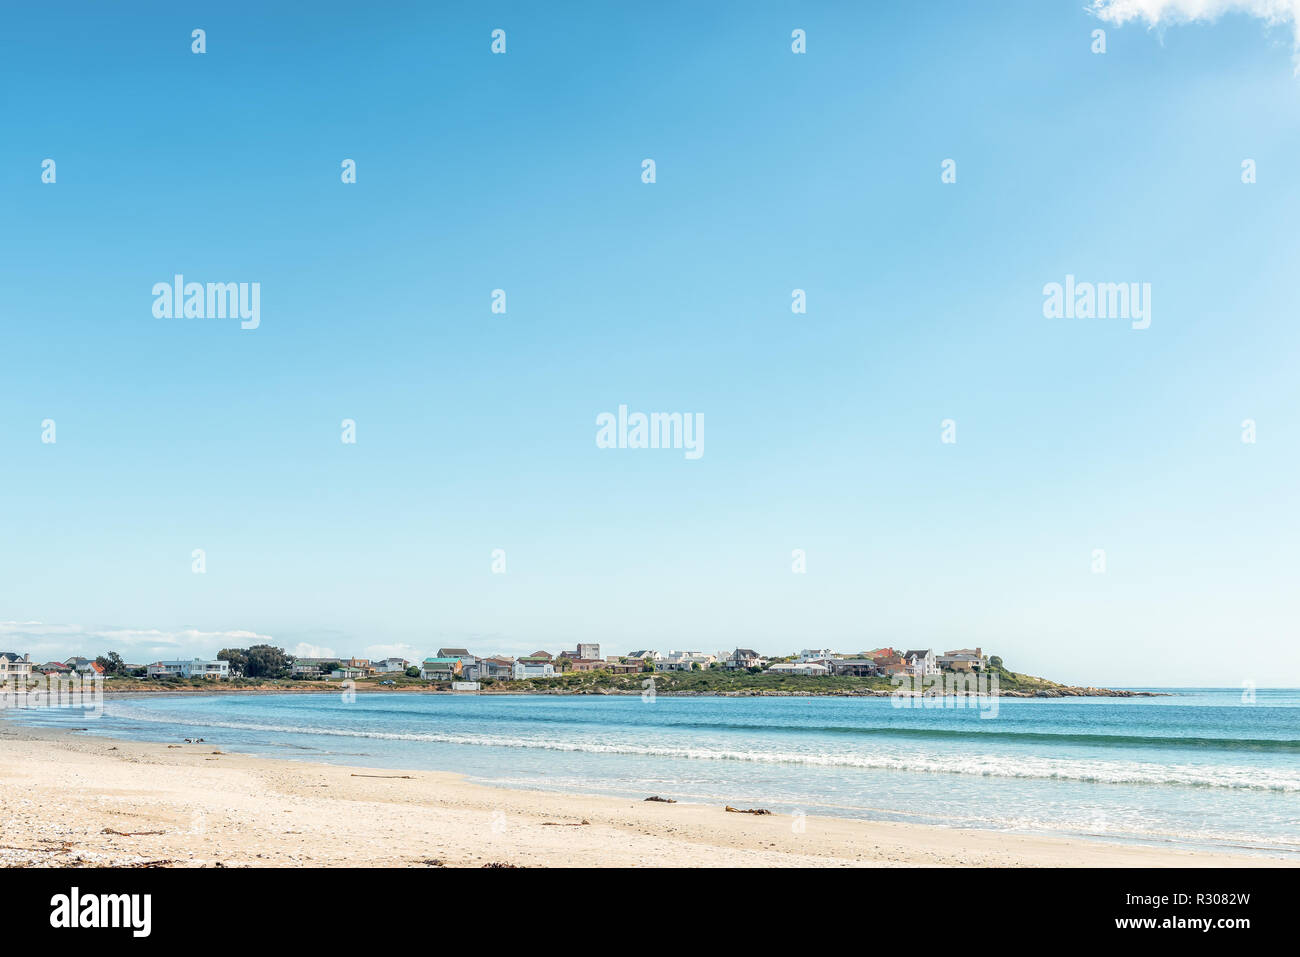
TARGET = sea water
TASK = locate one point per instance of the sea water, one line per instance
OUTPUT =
(1198, 767)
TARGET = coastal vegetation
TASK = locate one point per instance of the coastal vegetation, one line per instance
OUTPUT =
(708, 681)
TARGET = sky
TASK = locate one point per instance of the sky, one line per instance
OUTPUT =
(1077, 439)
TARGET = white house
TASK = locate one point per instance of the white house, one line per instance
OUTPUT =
(389, 665)
(684, 661)
(804, 668)
(533, 669)
(14, 667)
(815, 654)
(194, 668)
(84, 666)
(921, 663)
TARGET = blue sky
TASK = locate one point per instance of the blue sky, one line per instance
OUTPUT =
(476, 431)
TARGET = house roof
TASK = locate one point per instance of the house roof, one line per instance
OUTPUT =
(917, 654)
(11, 655)
(746, 653)
(441, 661)
(453, 653)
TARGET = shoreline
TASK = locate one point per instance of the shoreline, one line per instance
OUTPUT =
(72, 800)
(369, 688)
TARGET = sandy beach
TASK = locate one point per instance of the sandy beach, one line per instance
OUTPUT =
(72, 800)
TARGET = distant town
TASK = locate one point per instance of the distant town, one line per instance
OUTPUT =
(461, 667)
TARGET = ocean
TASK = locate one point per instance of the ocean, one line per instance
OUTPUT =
(1201, 768)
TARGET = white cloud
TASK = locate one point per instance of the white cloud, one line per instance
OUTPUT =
(1160, 12)
(304, 650)
(57, 642)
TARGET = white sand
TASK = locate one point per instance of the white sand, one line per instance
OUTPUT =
(60, 791)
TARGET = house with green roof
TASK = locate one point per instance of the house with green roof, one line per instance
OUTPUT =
(441, 669)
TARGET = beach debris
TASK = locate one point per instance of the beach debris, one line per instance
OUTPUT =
(109, 830)
(749, 810)
(656, 797)
(404, 776)
(433, 862)
(565, 823)
(500, 864)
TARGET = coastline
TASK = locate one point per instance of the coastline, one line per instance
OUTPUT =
(70, 800)
(214, 688)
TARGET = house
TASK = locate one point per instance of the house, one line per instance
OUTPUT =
(889, 664)
(882, 653)
(643, 655)
(531, 667)
(346, 670)
(85, 666)
(315, 667)
(684, 661)
(215, 668)
(497, 666)
(589, 649)
(468, 663)
(745, 658)
(586, 664)
(14, 667)
(193, 668)
(963, 659)
(389, 665)
(828, 663)
(441, 669)
(802, 668)
(921, 663)
(856, 667)
(815, 654)
(622, 665)
(52, 668)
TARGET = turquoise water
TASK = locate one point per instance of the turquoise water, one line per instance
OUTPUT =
(1201, 767)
